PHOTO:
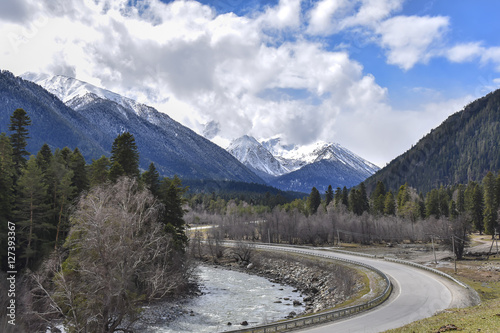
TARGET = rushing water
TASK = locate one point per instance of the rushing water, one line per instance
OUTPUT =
(231, 296)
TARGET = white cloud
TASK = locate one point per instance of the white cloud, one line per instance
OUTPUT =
(287, 14)
(464, 52)
(197, 66)
(409, 39)
(333, 16)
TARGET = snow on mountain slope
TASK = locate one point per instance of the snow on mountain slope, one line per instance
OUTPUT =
(299, 168)
(294, 157)
(72, 92)
(252, 154)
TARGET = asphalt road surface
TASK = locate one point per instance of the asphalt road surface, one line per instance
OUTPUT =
(417, 294)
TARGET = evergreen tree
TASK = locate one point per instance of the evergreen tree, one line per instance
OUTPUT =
(65, 154)
(490, 207)
(116, 171)
(19, 121)
(99, 171)
(151, 178)
(389, 204)
(363, 197)
(171, 195)
(6, 194)
(444, 202)
(477, 209)
(65, 193)
(313, 201)
(378, 198)
(432, 204)
(31, 211)
(78, 166)
(328, 195)
(355, 201)
(338, 196)
(403, 196)
(345, 197)
(44, 158)
(125, 152)
(460, 199)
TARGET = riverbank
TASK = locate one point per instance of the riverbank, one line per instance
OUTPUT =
(322, 283)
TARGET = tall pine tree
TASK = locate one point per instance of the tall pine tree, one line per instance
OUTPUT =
(125, 152)
(19, 121)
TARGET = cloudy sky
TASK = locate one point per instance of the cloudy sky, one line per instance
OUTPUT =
(372, 75)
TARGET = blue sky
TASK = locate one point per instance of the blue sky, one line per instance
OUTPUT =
(372, 75)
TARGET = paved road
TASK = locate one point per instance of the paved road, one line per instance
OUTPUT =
(418, 294)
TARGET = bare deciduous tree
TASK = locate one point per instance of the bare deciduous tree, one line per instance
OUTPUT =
(119, 256)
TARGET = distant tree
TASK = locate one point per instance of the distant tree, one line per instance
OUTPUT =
(403, 196)
(389, 204)
(125, 152)
(355, 201)
(19, 121)
(490, 206)
(363, 196)
(460, 199)
(378, 199)
(432, 204)
(151, 178)
(99, 171)
(79, 167)
(477, 208)
(329, 195)
(313, 201)
(338, 196)
(345, 197)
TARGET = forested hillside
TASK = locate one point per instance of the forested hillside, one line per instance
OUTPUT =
(463, 148)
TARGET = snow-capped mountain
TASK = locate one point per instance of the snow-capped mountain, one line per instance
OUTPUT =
(72, 92)
(252, 154)
(299, 168)
(95, 116)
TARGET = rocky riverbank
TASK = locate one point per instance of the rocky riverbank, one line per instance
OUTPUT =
(323, 284)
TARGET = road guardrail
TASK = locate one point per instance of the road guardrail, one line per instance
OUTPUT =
(323, 317)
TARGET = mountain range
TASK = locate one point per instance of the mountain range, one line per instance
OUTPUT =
(92, 118)
(464, 148)
(298, 168)
(73, 113)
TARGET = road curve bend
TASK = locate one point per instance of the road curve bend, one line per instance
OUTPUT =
(417, 294)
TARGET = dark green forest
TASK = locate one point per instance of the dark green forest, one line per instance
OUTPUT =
(463, 148)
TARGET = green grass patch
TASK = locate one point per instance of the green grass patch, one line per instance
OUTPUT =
(482, 318)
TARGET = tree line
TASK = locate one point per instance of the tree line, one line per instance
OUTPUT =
(445, 214)
(79, 226)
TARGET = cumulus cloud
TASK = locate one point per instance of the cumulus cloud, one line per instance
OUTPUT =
(408, 39)
(259, 74)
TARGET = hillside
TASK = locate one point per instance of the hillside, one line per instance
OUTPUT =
(463, 148)
(91, 122)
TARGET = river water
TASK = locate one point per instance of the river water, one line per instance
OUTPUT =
(232, 296)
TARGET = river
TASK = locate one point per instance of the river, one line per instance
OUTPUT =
(232, 297)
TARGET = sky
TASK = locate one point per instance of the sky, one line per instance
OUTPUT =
(372, 75)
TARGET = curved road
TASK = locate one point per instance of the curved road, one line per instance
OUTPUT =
(417, 294)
